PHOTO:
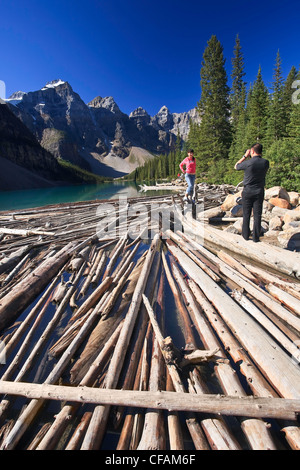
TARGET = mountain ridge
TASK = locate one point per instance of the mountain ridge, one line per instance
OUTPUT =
(97, 135)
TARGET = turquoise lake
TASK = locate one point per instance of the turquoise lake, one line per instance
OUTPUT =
(30, 198)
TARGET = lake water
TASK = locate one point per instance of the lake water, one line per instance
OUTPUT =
(29, 198)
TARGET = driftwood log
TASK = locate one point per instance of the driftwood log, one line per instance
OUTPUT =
(78, 326)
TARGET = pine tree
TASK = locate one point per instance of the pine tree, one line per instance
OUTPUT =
(287, 96)
(257, 111)
(178, 152)
(214, 130)
(238, 113)
(277, 112)
(193, 137)
(238, 89)
(293, 127)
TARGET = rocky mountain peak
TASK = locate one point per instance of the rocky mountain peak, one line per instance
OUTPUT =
(164, 110)
(87, 134)
(96, 102)
(17, 96)
(138, 112)
(140, 117)
(54, 84)
(107, 103)
(164, 118)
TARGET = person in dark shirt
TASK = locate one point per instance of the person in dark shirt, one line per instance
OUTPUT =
(255, 170)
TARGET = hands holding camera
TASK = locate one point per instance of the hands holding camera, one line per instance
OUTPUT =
(246, 155)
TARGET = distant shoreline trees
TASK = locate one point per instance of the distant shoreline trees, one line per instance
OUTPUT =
(233, 119)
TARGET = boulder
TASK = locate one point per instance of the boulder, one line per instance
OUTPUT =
(236, 211)
(238, 226)
(272, 233)
(276, 191)
(264, 226)
(293, 224)
(267, 207)
(290, 239)
(275, 223)
(291, 216)
(230, 201)
(231, 229)
(294, 198)
(280, 202)
(281, 212)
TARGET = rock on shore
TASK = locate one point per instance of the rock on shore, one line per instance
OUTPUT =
(280, 217)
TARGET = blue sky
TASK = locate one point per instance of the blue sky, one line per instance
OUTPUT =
(143, 53)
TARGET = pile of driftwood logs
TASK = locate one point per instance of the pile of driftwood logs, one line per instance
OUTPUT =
(187, 339)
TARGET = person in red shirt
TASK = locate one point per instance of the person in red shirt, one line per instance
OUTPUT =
(190, 174)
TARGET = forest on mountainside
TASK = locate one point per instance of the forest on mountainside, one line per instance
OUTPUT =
(235, 118)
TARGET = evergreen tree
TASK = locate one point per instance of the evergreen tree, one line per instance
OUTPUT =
(238, 89)
(277, 112)
(293, 127)
(257, 111)
(193, 138)
(238, 113)
(214, 130)
(287, 96)
(284, 157)
(178, 151)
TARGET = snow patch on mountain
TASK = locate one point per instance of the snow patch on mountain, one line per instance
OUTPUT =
(53, 84)
(16, 97)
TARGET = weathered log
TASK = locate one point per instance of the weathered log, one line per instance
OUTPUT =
(153, 436)
(11, 260)
(275, 363)
(174, 426)
(88, 280)
(96, 429)
(132, 428)
(251, 288)
(139, 334)
(21, 295)
(34, 406)
(191, 421)
(271, 278)
(267, 324)
(26, 322)
(236, 265)
(54, 433)
(285, 298)
(103, 328)
(283, 261)
(189, 336)
(76, 439)
(255, 380)
(16, 269)
(279, 408)
(214, 432)
(133, 424)
(52, 437)
(24, 233)
(184, 248)
(276, 258)
(37, 439)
